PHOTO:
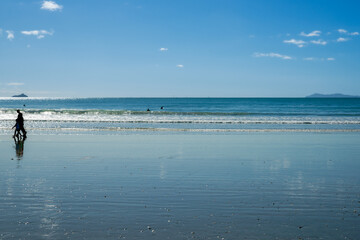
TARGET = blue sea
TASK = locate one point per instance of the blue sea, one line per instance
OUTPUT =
(183, 114)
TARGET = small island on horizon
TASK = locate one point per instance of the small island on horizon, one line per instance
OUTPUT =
(334, 95)
(20, 95)
(315, 95)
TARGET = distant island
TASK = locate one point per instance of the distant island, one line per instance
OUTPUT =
(20, 95)
(334, 95)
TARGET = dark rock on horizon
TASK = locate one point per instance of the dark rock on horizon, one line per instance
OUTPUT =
(334, 95)
(20, 95)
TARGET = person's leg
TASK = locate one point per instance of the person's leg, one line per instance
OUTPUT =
(16, 132)
(23, 131)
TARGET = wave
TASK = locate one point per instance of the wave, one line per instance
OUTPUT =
(121, 112)
(166, 113)
(200, 121)
(149, 129)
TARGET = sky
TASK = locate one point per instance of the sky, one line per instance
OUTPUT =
(179, 48)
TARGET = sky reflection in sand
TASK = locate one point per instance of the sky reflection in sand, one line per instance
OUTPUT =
(250, 185)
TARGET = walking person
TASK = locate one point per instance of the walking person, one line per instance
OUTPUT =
(17, 130)
(19, 126)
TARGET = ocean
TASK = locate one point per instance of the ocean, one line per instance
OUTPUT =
(182, 114)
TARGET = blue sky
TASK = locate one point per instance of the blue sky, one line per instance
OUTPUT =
(212, 48)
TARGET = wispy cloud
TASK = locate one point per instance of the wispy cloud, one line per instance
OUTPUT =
(340, 39)
(38, 33)
(318, 59)
(10, 35)
(299, 43)
(272, 55)
(51, 6)
(15, 84)
(309, 59)
(180, 66)
(319, 42)
(342, 31)
(315, 33)
(163, 49)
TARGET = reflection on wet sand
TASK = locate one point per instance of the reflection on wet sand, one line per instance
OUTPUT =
(181, 186)
(19, 146)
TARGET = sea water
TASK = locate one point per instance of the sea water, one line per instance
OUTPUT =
(183, 114)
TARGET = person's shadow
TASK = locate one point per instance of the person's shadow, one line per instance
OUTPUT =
(19, 146)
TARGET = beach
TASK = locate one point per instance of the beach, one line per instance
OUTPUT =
(179, 120)
(181, 185)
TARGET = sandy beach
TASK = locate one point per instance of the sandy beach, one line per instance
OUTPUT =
(181, 186)
(179, 120)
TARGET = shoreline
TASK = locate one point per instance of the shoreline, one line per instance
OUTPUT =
(119, 130)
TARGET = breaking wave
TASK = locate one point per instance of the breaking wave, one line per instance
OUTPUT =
(165, 113)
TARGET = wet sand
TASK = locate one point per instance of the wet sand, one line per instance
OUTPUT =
(181, 186)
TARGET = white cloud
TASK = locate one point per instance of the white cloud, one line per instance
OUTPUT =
(10, 34)
(342, 31)
(319, 42)
(340, 39)
(38, 33)
(15, 84)
(299, 43)
(319, 59)
(28, 46)
(51, 6)
(315, 33)
(180, 66)
(273, 55)
(163, 49)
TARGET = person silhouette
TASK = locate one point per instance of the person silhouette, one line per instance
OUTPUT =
(19, 125)
(17, 130)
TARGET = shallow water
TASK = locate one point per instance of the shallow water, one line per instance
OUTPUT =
(195, 114)
(181, 186)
